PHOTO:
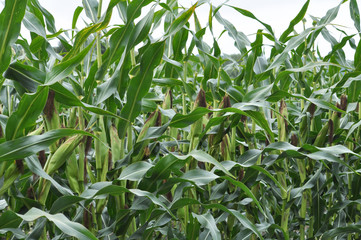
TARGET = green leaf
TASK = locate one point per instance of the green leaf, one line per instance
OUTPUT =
(50, 22)
(199, 176)
(141, 30)
(140, 84)
(134, 9)
(249, 158)
(63, 95)
(292, 44)
(91, 9)
(76, 14)
(241, 40)
(73, 229)
(265, 172)
(294, 21)
(118, 81)
(308, 67)
(33, 24)
(83, 35)
(135, 171)
(63, 203)
(65, 68)
(119, 44)
(207, 221)
(247, 192)
(15, 231)
(29, 77)
(35, 167)
(170, 82)
(152, 197)
(258, 94)
(161, 170)
(297, 192)
(204, 157)
(352, 228)
(278, 95)
(250, 15)
(242, 219)
(181, 121)
(29, 145)
(29, 109)
(325, 20)
(179, 22)
(357, 57)
(10, 23)
(352, 129)
(245, 222)
(355, 14)
(9, 219)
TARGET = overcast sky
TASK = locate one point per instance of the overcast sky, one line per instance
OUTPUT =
(277, 13)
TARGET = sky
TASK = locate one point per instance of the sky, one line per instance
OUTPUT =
(277, 13)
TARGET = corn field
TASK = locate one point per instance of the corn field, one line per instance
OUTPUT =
(119, 133)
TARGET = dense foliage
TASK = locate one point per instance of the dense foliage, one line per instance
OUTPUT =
(117, 134)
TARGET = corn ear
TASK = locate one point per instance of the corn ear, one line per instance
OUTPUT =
(321, 136)
(101, 152)
(37, 131)
(151, 121)
(282, 122)
(226, 148)
(167, 104)
(62, 154)
(306, 122)
(197, 127)
(72, 118)
(11, 174)
(117, 145)
(50, 112)
(71, 172)
(333, 123)
(52, 120)
(225, 103)
(55, 162)
(303, 131)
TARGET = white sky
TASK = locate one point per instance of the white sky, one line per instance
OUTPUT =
(277, 13)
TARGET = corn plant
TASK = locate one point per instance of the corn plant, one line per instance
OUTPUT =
(119, 133)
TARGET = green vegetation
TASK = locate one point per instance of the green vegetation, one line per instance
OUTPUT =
(117, 134)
